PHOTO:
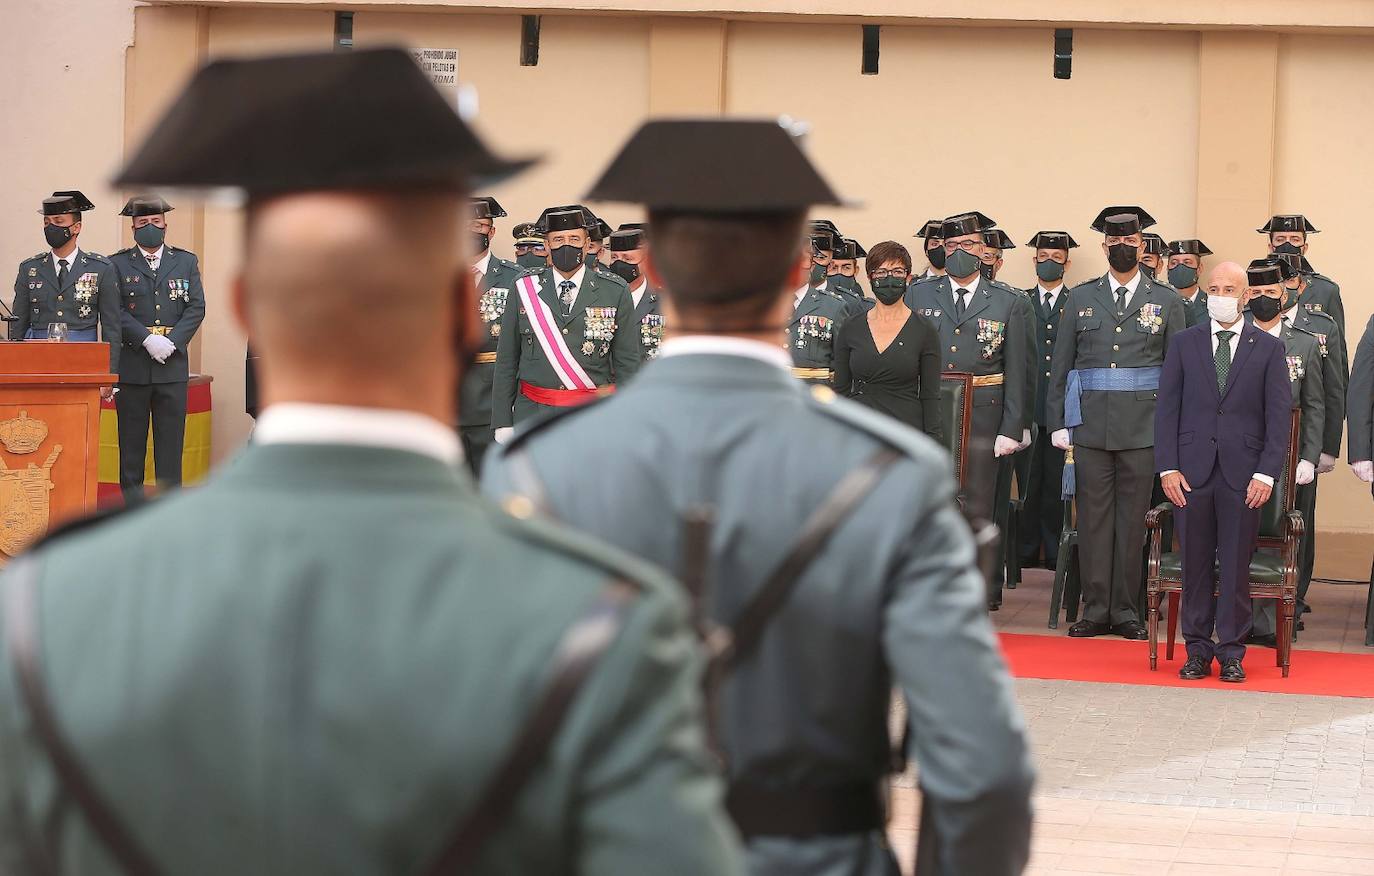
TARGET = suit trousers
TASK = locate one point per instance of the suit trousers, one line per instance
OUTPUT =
(477, 440)
(1113, 496)
(1218, 534)
(1042, 516)
(166, 404)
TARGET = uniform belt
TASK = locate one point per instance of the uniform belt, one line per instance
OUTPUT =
(989, 379)
(562, 398)
(812, 373)
(163, 330)
(485, 358)
(806, 812)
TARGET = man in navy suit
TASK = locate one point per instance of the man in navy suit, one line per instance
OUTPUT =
(1221, 435)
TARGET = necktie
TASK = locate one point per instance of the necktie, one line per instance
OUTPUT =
(565, 294)
(1120, 300)
(1223, 358)
(61, 273)
(959, 305)
(1047, 302)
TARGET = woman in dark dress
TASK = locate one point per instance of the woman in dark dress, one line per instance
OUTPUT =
(889, 358)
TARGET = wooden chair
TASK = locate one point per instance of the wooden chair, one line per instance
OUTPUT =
(956, 412)
(1273, 569)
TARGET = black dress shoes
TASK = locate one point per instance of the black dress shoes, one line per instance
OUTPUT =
(1195, 668)
(1086, 629)
(1231, 671)
(995, 606)
(1133, 630)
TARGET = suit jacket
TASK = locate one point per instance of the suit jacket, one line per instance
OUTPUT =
(170, 297)
(1243, 428)
(317, 722)
(1092, 335)
(1361, 399)
(892, 597)
(990, 338)
(495, 292)
(607, 360)
(1046, 333)
(88, 299)
(813, 328)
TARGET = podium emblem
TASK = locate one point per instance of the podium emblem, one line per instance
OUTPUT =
(24, 503)
(21, 435)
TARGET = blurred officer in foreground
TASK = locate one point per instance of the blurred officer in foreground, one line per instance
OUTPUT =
(820, 538)
(511, 701)
(165, 304)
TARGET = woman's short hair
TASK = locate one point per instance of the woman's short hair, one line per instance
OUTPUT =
(880, 254)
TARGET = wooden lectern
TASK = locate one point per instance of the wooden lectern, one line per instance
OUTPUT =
(49, 435)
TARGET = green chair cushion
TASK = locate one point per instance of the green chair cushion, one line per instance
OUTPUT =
(1265, 568)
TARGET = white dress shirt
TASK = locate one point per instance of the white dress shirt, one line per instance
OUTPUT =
(70, 260)
(801, 294)
(156, 258)
(723, 345)
(576, 278)
(969, 290)
(481, 265)
(1131, 285)
(1041, 292)
(637, 290)
(303, 423)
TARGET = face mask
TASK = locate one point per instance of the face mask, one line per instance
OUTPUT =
(57, 235)
(1265, 308)
(149, 236)
(1049, 270)
(841, 283)
(986, 269)
(1147, 269)
(962, 264)
(817, 274)
(567, 257)
(625, 271)
(1288, 249)
(480, 241)
(1123, 257)
(889, 290)
(530, 260)
(1222, 309)
(936, 257)
(1291, 296)
(1182, 276)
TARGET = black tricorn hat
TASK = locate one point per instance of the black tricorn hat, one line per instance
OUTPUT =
(1191, 246)
(527, 232)
(845, 250)
(822, 240)
(1288, 222)
(1296, 261)
(997, 239)
(66, 202)
(494, 208)
(717, 166)
(562, 219)
(624, 241)
(858, 249)
(1103, 220)
(932, 229)
(826, 225)
(326, 120)
(1154, 244)
(1268, 272)
(480, 209)
(1119, 224)
(599, 229)
(1052, 240)
(145, 205)
(965, 223)
(642, 227)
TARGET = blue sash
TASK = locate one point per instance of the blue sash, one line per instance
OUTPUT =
(1099, 380)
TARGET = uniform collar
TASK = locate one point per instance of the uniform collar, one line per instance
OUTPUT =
(576, 278)
(304, 423)
(71, 259)
(483, 264)
(1131, 285)
(957, 290)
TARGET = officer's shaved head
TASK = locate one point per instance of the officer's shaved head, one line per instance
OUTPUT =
(355, 297)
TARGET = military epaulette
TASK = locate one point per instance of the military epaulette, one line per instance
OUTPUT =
(37, 258)
(998, 284)
(548, 419)
(837, 296)
(125, 251)
(922, 280)
(607, 275)
(878, 425)
(95, 257)
(1321, 314)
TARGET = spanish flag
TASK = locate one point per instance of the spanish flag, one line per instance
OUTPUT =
(195, 453)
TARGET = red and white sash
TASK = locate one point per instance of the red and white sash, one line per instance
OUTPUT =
(565, 365)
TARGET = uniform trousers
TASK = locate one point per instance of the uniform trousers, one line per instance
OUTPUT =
(1113, 495)
(1042, 515)
(1218, 535)
(166, 403)
(477, 440)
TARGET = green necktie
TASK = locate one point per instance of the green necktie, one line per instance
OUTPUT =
(1223, 358)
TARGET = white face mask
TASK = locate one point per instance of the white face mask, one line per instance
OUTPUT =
(1224, 310)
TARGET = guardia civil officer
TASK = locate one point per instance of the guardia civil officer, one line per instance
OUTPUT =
(1155, 261)
(164, 303)
(934, 251)
(817, 315)
(569, 333)
(628, 248)
(995, 243)
(984, 332)
(715, 463)
(67, 284)
(825, 276)
(368, 670)
(844, 266)
(1360, 407)
(1185, 266)
(529, 246)
(1288, 234)
(1104, 384)
(1042, 514)
(494, 279)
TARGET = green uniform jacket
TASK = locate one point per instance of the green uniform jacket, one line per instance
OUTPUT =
(1305, 372)
(1091, 335)
(650, 318)
(90, 297)
(1046, 333)
(171, 296)
(1323, 295)
(891, 599)
(991, 338)
(610, 355)
(1361, 398)
(1195, 311)
(811, 331)
(1335, 376)
(359, 644)
(496, 290)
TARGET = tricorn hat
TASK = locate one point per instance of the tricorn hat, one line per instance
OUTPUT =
(1052, 240)
(562, 219)
(932, 229)
(1268, 272)
(1154, 244)
(1191, 246)
(624, 241)
(1296, 261)
(1104, 224)
(145, 205)
(66, 202)
(494, 208)
(998, 239)
(1288, 222)
(965, 223)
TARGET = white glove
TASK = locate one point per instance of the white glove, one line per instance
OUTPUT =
(159, 347)
(1004, 446)
(503, 434)
(1025, 440)
(1364, 470)
(1060, 439)
(1325, 463)
(1306, 473)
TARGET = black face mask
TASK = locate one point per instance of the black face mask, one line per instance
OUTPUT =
(841, 283)
(57, 235)
(889, 290)
(530, 260)
(1287, 249)
(1265, 308)
(567, 257)
(1123, 257)
(987, 269)
(589, 259)
(817, 275)
(1049, 270)
(937, 257)
(625, 271)
(1147, 269)
(480, 242)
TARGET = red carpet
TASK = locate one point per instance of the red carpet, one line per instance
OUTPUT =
(1120, 662)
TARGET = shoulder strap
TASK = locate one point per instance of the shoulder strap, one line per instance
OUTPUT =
(25, 652)
(578, 653)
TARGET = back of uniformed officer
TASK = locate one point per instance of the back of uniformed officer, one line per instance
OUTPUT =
(366, 655)
(712, 463)
(163, 305)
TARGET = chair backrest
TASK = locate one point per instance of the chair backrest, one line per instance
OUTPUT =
(956, 413)
(1272, 526)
